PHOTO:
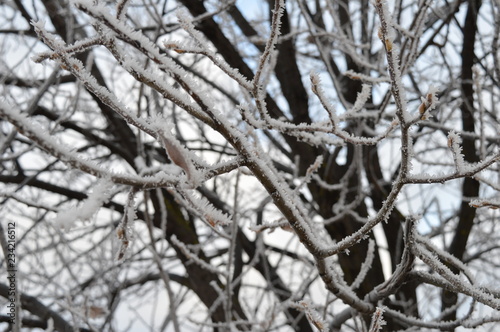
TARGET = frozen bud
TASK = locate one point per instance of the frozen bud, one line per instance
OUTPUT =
(431, 98)
(388, 45)
(174, 46)
(423, 106)
(120, 232)
(380, 33)
(287, 227)
(352, 75)
(429, 102)
(212, 221)
(315, 80)
(63, 66)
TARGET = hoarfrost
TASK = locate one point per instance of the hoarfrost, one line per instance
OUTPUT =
(88, 208)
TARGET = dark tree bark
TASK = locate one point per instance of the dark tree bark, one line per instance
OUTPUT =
(470, 187)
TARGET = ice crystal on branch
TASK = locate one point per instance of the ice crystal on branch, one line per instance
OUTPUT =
(88, 208)
(253, 166)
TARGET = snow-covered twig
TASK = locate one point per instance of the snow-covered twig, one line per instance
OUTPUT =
(339, 288)
(195, 259)
(377, 322)
(386, 35)
(259, 90)
(38, 135)
(205, 50)
(335, 128)
(124, 230)
(312, 315)
(366, 266)
(452, 281)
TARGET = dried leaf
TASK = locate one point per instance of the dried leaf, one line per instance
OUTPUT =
(177, 155)
(96, 312)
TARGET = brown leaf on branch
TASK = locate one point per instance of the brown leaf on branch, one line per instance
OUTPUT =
(176, 153)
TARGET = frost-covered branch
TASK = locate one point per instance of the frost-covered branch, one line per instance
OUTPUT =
(65, 154)
(258, 167)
